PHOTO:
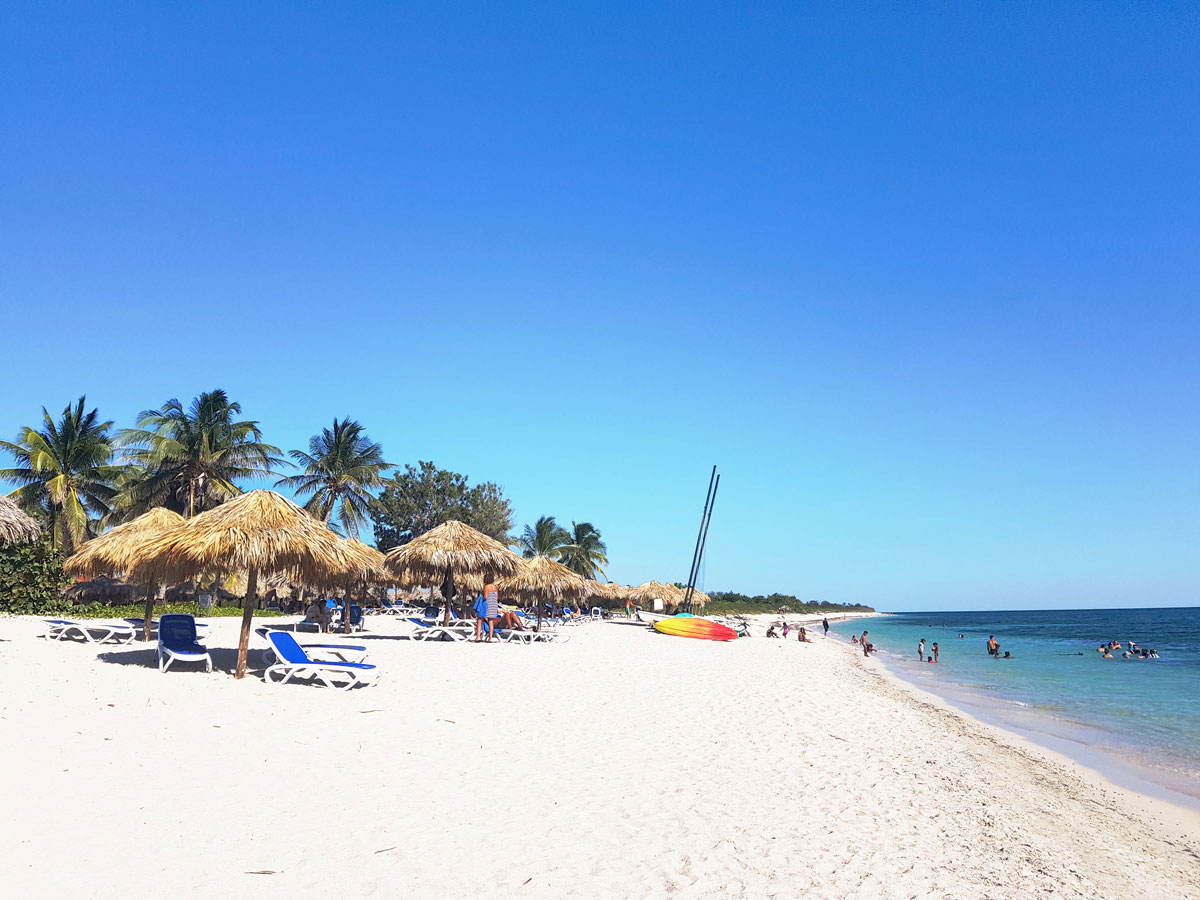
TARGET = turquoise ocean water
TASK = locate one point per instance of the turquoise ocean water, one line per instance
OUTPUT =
(1136, 721)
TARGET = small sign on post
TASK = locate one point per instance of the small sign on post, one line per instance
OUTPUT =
(204, 602)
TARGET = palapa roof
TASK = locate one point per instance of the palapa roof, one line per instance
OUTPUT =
(16, 527)
(644, 593)
(100, 590)
(357, 563)
(260, 529)
(118, 548)
(605, 590)
(454, 546)
(542, 579)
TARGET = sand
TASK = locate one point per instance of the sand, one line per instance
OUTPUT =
(621, 764)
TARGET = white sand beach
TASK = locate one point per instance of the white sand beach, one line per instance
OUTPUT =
(620, 764)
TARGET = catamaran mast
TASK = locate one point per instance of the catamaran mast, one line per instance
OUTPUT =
(710, 500)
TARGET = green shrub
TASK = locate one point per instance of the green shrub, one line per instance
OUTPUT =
(31, 579)
(136, 610)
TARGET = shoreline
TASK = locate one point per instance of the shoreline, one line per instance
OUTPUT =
(621, 763)
(1178, 815)
(1145, 769)
(1114, 770)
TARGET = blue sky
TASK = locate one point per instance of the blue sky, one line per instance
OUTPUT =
(921, 279)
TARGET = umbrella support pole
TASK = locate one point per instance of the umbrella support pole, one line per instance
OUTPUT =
(148, 614)
(247, 616)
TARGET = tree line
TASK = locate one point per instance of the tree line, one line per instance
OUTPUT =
(79, 475)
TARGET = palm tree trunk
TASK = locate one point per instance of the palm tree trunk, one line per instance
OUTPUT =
(346, 609)
(247, 615)
(148, 613)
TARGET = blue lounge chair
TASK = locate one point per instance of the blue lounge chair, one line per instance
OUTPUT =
(177, 641)
(355, 653)
(293, 662)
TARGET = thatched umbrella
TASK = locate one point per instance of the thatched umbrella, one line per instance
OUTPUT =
(452, 549)
(118, 548)
(541, 579)
(652, 590)
(15, 526)
(359, 564)
(259, 532)
(100, 590)
(607, 592)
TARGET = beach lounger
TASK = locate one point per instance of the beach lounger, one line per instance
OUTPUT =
(177, 641)
(201, 627)
(92, 632)
(397, 609)
(293, 662)
(355, 653)
(511, 635)
(457, 630)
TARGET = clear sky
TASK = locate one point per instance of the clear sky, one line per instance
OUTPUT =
(920, 278)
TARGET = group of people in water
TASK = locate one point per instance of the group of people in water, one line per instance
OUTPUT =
(993, 648)
(1106, 651)
(1130, 650)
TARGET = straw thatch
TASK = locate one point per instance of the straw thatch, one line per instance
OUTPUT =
(451, 547)
(542, 580)
(699, 598)
(117, 549)
(260, 532)
(668, 593)
(15, 526)
(100, 590)
(358, 564)
(605, 593)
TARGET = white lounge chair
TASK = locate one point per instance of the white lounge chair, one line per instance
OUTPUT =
(293, 662)
(457, 630)
(509, 635)
(92, 632)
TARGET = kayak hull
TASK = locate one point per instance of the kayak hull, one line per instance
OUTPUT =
(693, 627)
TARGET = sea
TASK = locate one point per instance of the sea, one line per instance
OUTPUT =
(1136, 721)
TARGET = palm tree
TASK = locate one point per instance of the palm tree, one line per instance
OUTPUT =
(192, 459)
(63, 471)
(340, 466)
(544, 538)
(586, 553)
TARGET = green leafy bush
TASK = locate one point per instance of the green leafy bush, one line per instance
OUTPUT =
(31, 579)
(136, 610)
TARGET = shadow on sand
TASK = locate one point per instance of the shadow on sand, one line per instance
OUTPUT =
(224, 660)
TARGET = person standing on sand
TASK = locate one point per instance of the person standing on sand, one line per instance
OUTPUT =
(825, 625)
(921, 649)
(867, 647)
(491, 611)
